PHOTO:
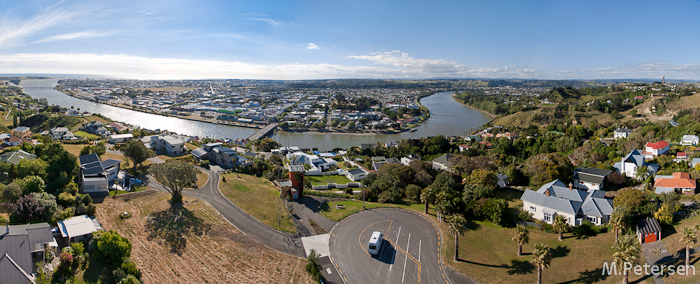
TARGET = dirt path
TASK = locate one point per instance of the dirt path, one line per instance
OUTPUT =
(645, 109)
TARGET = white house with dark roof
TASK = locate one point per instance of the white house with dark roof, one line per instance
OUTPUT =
(443, 163)
(622, 133)
(356, 174)
(590, 178)
(555, 198)
(17, 244)
(632, 162)
(15, 157)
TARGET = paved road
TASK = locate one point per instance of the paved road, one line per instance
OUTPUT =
(264, 234)
(409, 254)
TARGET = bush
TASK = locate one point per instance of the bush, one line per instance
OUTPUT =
(86, 199)
(66, 199)
(78, 249)
(112, 247)
(124, 215)
(80, 209)
(131, 269)
(118, 274)
(66, 259)
(348, 191)
(312, 266)
(548, 228)
(130, 279)
(66, 213)
(3, 221)
(524, 216)
(204, 164)
(91, 210)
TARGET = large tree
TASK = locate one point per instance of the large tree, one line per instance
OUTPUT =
(688, 238)
(137, 152)
(560, 225)
(541, 257)
(27, 207)
(427, 196)
(626, 251)
(63, 166)
(457, 225)
(175, 176)
(522, 236)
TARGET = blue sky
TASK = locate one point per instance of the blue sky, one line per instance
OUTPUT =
(563, 39)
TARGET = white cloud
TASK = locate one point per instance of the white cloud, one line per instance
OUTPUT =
(127, 66)
(266, 20)
(13, 32)
(71, 36)
(312, 45)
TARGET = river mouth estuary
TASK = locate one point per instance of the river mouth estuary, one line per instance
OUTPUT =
(448, 117)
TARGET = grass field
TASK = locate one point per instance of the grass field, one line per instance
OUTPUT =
(330, 210)
(323, 180)
(671, 237)
(259, 198)
(191, 146)
(135, 188)
(488, 255)
(202, 179)
(86, 135)
(192, 243)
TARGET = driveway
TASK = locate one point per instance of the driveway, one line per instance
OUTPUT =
(264, 234)
(656, 253)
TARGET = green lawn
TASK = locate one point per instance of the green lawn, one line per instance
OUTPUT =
(330, 210)
(259, 198)
(488, 255)
(671, 237)
(85, 134)
(323, 180)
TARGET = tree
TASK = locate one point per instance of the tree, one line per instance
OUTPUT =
(12, 192)
(457, 225)
(175, 176)
(629, 198)
(560, 225)
(618, 220)
(31, 167)
(129, 279)
(312, 265)
(31, 184)
(427, 196)
(626, 251)
(62, 166)
(544, 168)
(541, 257)
(688, 238)
(113, 247)
(137, 152)
(27, 208)
(521, 237)
(665, 214)
(482, 177)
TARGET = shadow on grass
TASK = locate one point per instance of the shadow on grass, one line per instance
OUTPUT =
(520, 267)
(589, 277)
(667, 231)
(175, 225)
(560, 251)
(96, 271)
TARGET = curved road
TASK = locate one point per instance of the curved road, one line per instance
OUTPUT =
(264, 234)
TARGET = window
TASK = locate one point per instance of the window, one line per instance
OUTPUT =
(533, 208)
(592, 219)
(548, 217)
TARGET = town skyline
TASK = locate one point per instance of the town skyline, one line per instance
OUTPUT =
(314, 40)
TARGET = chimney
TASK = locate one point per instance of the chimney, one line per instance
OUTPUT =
(571, 186)
(546, 192)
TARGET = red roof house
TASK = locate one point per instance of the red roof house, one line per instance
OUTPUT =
(678, 182)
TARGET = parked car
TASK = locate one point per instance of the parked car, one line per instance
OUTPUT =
(134, 181)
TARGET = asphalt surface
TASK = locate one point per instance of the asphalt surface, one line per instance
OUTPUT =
(264, 234)
(409, 253)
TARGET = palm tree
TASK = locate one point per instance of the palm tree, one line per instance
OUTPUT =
(427, 196)
(522, 236)
(560, 225)
(618, 220)
(626, 251)
(541, 257)
(689, 239)
(457, 226)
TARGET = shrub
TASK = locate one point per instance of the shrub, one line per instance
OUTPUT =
(3, 220)
(80, 209)
(223, 178)
(66, 213)
(66, 199)
(86, 199)
(118, 274)
(78, 249)
(130, 279)
(66, 259)
(131, 269)
(524, 216)
(204, 164)
(348, 191)
(12, 193)
(91, 210)
(312, 266)
(112, 247)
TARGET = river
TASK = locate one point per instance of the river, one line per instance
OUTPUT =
(448, 117)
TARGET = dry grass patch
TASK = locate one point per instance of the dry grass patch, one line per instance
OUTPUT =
(671, 237)
(192, 243)
(488, 255)
(259, 198)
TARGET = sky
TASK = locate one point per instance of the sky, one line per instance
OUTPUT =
(333, 39)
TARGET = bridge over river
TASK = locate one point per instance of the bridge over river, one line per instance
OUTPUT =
(263, 132)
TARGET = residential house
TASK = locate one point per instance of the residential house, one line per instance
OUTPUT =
(78, 228)
(632, 162)
(555, 198)
(502, 181)
(96, 127)
(378, 162)
(17, 244)
(681, 157)
(444, 162)
(95, 175)
(464, 147)
(695, 162)
(62, 133)
(690, 140)
(15, 157)
(170, 145)
(120, 138)
(408, 159)
(678, 182)
(356, 174)
(116, 127)
(21, 131)
(224, 157)
(648, 230)
(622, 133)
(652, 150)
(509, 135)
(590, 178)
(15, 141)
